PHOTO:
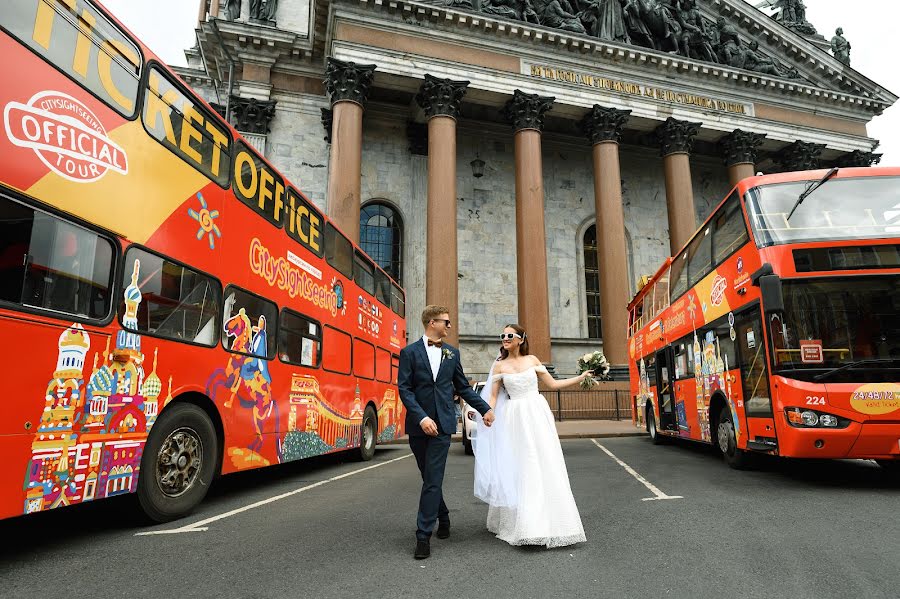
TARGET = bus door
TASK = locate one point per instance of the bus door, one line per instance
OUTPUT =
(665, 376)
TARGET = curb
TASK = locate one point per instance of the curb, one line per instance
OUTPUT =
(458, 437)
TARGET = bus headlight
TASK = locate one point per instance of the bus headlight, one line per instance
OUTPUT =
(803, 418)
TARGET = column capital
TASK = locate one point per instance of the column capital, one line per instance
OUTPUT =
(526, 111)
(441, 97)
(800, 156)
(859, 158)
(739, 147)
(249, 115)
(327, 120)
(604, 124)
(676, 136)
(348, 81)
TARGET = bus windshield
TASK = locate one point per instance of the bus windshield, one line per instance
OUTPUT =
(833, 211)
(839, 329)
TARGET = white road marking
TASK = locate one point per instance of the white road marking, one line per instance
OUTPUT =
(200, 526)
(653, 489)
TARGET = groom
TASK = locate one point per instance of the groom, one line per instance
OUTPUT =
(430, 375)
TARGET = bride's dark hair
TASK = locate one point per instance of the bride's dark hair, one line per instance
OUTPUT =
(523, 348)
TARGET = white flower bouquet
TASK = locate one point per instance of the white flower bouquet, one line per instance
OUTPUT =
(596, 363)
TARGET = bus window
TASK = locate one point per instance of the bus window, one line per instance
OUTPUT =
(338, 251)
(50, 264)
(363, 359)
(364, 273)
(338, 350)
(186, 128)
(700, 257)
(299, 339)
(395, 367)
(754, 375)
(730, 232)
(684, 363)
(75, 38)
(398, 304)
(382, 287)
(382, 365)
(679, 275)
(167, 299)
(249, 323)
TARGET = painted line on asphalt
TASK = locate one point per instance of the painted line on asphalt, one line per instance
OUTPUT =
(658, 495)
(200, 526)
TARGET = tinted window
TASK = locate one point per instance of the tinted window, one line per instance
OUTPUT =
(730, 232)
(364, 273)
(700, 257)
(398, 304)
(167, 299)
(679, 275)
(299, 339)
(382, 288)
(249, 323)
(48, 263)
(338, 251)
(79, 41)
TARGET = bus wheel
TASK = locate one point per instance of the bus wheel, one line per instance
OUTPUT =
(891, 467)
(734, 457)
(368, 432)
(655, 437)
(178, 464)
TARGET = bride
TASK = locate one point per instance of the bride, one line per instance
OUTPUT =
(519, 467)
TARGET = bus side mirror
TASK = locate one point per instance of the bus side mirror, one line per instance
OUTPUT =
(769, 288)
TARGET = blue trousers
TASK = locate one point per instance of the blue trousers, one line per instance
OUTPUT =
(431, 457)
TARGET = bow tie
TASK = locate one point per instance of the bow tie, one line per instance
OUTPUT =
(435, 343)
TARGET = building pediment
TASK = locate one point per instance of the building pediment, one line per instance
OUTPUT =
(785, 62)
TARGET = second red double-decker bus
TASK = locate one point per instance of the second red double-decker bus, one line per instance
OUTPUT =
(171, 308)
(776, 330)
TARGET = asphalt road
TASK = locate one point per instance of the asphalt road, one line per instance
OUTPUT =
(786, 529)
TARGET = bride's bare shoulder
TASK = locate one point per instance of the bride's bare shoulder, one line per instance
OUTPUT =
(533, 360)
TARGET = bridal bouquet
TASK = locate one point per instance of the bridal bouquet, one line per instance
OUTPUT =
(596, 362)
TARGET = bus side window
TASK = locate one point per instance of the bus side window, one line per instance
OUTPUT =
(338, 347)
(754, 376)
(398, 303)
(168, 299)
(730, 231)
(48, 263)
(364, 273)
(684, 366)
(699, 257)
(250, 324)
(299, 339)
(363, 359)
(382, 287)
(679, 275)
(395, 367)
(382, 365)
(338, 251)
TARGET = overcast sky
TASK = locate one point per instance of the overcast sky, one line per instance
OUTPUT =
(871, 27)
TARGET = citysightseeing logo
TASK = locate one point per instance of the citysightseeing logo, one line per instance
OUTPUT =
(65, 135)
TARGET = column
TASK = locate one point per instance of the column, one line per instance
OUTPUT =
(348, 85)
(799, 156)
(739, 151)
(526, 114)
(676, 140)
(440, 99)
(603, 127)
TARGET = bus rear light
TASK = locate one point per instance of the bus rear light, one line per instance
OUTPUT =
(800, 418)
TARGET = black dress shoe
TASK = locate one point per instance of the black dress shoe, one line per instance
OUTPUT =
(423, 550)
(443, 530)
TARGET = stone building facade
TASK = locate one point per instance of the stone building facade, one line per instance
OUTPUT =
(496, 136)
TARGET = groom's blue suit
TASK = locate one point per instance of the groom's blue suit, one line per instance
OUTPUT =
(424, 395)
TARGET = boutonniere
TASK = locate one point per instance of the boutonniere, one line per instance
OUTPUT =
(446, 354)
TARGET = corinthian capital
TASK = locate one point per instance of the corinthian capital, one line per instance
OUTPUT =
(604, 124)
(859, 158)
(441, 97)
(800, 156)
(676, 136)
(526, 111)
(348, 81)
(250, 115)
(739, 147)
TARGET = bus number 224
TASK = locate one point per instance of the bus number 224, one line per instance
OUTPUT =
(812, 400)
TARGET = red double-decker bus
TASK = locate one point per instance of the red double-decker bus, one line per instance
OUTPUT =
(171, 308)
(776, 329)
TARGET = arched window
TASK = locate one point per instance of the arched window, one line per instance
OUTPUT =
(381, 236)
(592, 283)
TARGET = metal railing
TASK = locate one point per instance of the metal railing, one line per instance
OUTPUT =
(612, 404)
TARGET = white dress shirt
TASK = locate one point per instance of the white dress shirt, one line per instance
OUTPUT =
(434, 359)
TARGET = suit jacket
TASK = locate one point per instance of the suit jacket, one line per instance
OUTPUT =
(424, 395)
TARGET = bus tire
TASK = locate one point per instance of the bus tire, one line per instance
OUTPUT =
(652, 429)
(178, 464)
(368, 433)
(734, 457)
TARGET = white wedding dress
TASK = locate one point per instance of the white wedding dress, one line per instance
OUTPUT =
(521, 472)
